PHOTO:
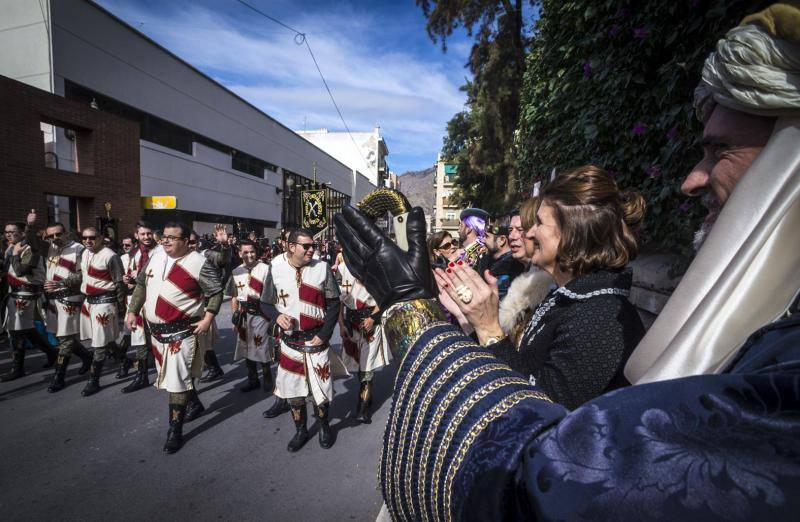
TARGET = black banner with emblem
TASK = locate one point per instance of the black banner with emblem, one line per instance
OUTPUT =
(315, 215)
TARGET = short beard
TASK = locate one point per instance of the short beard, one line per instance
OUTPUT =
(701, 235)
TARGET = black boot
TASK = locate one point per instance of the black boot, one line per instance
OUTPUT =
(93, 385)
(268, 385)
(84, 355)
(61, 370)
(17, 360)
(40, 341)
(300, 418)
(194, 408)
(325, 433)
(126, 363)
(214, 370)
(141, 380)
(278, 407)
(252, 377)
(177, 414)
(364, 402)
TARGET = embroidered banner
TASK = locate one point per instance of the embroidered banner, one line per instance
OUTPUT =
(315, 215)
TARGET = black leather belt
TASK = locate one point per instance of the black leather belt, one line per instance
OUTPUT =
(33, 289)
(251, 307)
(300, 347)
(27, 297)
(63, 296)
(300, 336)
(101, 299)
(173, 331)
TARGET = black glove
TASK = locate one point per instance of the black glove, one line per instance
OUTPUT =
(389, 273)
(236, 318)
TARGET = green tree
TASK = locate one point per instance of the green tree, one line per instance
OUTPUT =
(480, 140)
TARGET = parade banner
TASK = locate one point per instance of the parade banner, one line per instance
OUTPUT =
(315, 215)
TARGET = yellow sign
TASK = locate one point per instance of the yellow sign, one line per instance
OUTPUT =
(159, 202)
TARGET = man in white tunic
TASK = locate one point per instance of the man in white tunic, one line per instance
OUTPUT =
(63, 305)
(180, 292)
(363, 349)
(24, 272)
(100, 280)
(306, 308)
(247, 287)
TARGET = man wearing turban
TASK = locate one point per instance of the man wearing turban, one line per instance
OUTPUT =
(709, 431)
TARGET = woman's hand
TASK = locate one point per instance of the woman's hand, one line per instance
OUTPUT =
(482, 311)
(451, 306)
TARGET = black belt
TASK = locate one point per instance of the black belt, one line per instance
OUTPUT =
(305, 348)
(101, 299)
(172, 331)
(63, 295)
(27, 297)
(33, 289)
(251, 307)
(298, 336)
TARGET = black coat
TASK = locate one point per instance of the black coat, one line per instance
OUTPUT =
(579, 338)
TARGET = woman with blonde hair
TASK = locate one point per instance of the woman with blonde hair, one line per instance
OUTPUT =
(579, 337)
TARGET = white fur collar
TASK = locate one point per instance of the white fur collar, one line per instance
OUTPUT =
(525, 293)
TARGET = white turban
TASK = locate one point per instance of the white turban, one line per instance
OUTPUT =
(751, 71)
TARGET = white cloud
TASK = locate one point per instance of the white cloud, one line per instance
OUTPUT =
(412, 97)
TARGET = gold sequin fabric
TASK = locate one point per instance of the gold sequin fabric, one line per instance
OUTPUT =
(378, 202)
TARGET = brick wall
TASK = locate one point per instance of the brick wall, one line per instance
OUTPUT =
(107, 150)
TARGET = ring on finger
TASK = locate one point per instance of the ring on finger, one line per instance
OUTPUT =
(464, 293)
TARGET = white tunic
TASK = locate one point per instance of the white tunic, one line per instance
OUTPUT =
(99, 322)
(250, 285)
(361, 351)
(173, 293)
(21, 308)
(300, 294)
(63, 319)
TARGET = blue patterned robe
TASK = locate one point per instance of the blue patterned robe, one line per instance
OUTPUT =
(468, 439)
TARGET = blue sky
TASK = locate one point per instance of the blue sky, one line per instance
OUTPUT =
(376, 56)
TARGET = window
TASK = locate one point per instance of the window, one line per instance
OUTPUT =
(249, 164)
(451, 216)
(62, 209)
(60, 147)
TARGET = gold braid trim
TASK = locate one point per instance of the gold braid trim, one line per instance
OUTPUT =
(487, 418)
(391, 423)
(405, 322)
(438, 414)
(455, 423)
(412, 400)
(425, 406)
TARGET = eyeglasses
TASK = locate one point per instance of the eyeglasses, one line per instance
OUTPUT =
(446, 246)
(305, 246)
(10, 231)
(54, 236)
(89, 238)
(172, 238)
(192, 241)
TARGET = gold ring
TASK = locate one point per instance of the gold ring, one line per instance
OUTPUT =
(464, 293)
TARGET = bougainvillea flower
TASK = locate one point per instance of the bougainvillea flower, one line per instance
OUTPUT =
(612, 173)
(615, 30)
(640, 33)
(653, 171)
(685, 207)
(639, 128)
(672, 133)
(587, 69)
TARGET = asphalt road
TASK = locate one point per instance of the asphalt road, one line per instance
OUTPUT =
(67, 457)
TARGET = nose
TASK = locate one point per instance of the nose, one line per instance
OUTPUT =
(697, 182)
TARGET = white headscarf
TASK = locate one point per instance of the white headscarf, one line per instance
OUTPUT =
(748, 270)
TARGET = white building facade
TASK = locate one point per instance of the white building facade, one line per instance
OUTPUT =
(222, 158)
(364, 152)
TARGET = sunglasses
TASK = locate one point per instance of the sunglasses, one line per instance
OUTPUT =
(89, 238)
(54, 236)
(305, 246)
(445, 246)
(192, 242)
